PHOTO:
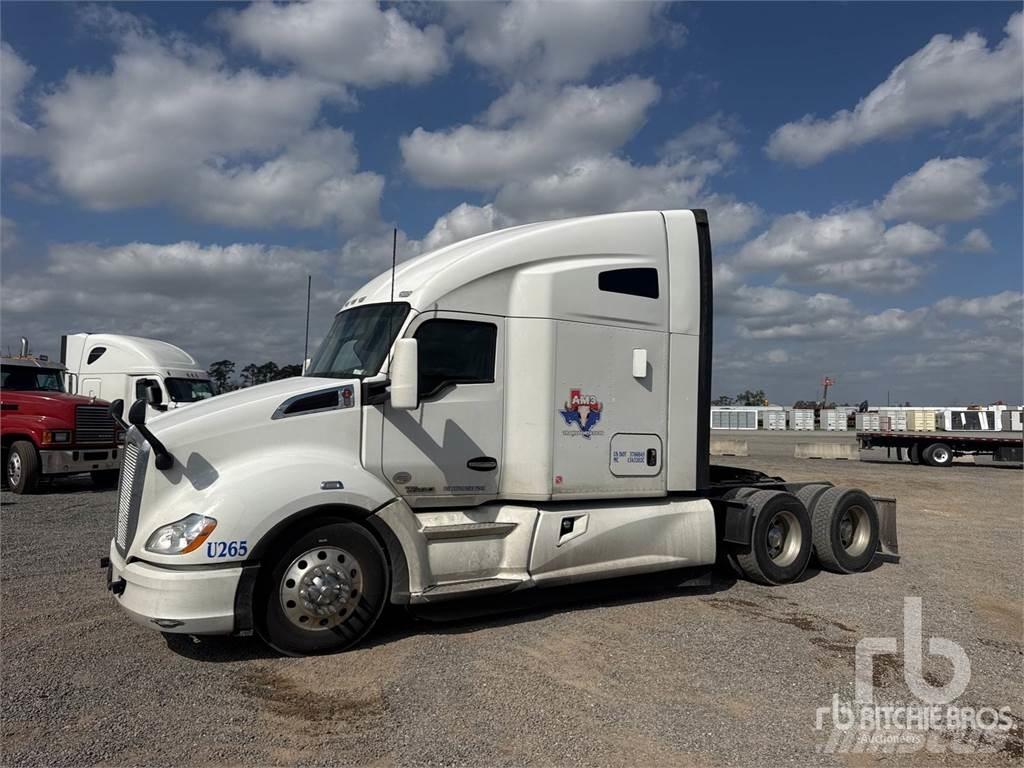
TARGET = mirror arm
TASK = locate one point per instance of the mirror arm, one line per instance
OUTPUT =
(161, 456)
(376, 392)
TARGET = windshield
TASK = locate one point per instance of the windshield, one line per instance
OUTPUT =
(189, 390)
(24, 379)
(359, 341)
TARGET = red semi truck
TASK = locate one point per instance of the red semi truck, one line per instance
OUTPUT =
(45, 432)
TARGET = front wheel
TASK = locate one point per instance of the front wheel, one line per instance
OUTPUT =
(325, 592)
(22, 467)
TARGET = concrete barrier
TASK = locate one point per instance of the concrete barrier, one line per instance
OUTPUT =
(721, 446)
(848, 451)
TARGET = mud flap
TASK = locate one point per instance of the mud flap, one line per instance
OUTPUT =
(888, 545)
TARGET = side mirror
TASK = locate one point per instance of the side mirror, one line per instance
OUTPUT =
(153, 395)
(405, 374)
(137, 413)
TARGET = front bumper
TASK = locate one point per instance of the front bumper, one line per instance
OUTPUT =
(63, 462)
(200, 601)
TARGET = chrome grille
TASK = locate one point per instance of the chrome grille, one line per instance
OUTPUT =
(93, 425)
(125, 495)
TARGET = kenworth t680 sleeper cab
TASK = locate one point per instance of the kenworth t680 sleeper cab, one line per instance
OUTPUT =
(525, 408)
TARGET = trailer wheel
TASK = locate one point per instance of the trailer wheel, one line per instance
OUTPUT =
(325, 592)
(938, 455)
(22, 467)
(780, 542)
(845, 523)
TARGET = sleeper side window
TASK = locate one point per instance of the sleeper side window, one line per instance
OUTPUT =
(633, 281)
(455, 352)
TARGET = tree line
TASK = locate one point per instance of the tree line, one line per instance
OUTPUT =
(222, 373)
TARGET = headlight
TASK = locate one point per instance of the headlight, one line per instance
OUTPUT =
(182, 536)
(58, 436)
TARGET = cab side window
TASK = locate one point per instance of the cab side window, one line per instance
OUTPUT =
(455, 352)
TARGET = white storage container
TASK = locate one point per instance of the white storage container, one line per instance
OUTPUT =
(920, 421)
(867, 422)
(774, 419)
(833, 421)
(1011, 421)
(801, 419)
(722, 418)
(892, 420)
(966, 420)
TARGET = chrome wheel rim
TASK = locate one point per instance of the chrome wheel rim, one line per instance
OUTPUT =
(321, 588)
(941, 455)
(783, 538)
(854, 530)
(14, 469)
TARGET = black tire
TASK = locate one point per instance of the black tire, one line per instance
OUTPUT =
(359, 611)
(104, 478)
(914, 452)
(845, 523)
(776, 511)
(809, 496)
(21, 469)
(938, 455)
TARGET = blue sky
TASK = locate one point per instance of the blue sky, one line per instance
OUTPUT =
(175, 169)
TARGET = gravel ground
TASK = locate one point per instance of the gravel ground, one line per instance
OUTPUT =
(626, 673)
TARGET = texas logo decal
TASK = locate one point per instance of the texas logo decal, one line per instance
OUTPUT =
(583, 411)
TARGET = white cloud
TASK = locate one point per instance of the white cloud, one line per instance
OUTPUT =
(946, 79)
(462, 222)
(8, 235)
(944, 189)
(313, 182)
(243, 301)
(1008, 304)
(714, 137)
(844, 248)
(555, 42)
(351, 42)
(171, 124)
(976, 241)
(526, 132)
(16, 136)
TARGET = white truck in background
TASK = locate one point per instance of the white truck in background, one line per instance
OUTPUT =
(522, 409)
(116, 367)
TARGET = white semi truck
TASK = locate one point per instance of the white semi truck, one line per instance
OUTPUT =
(113, 366)
(522, 409)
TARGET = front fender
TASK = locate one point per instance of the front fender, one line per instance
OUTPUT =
(250, 498)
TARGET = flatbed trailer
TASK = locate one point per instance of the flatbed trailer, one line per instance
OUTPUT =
(938, 449)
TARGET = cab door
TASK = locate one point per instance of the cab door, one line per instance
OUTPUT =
(448, 450)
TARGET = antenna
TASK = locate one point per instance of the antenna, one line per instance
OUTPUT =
(394, 257)
(305, 346)
(391, 309)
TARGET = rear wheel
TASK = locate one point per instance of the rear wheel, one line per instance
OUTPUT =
(938, 455)
(845, 524)
(22, 467)
(104, 478)
(325, 592)
(780, 542)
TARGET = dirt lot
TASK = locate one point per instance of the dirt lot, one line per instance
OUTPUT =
(631, 673)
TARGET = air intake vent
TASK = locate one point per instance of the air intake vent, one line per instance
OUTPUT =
(314, 402)
(124, 495)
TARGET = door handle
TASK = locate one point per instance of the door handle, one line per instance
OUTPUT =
(639, 363)
(482, 464)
